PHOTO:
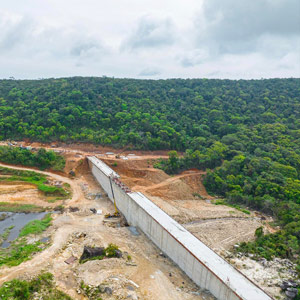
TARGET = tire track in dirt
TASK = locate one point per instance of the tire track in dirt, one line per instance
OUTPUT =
(77, 193)
(60, 235)
(151, 272)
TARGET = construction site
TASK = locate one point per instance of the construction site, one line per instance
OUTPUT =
(149, 274)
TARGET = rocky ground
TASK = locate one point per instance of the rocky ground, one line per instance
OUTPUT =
(274, 276)
(141, 273)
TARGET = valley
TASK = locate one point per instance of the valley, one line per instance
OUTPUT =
(181, 196)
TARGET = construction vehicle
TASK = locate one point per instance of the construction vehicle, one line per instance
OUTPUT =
(118, 155)
(116, 214)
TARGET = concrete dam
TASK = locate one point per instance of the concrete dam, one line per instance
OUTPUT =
(207, 269)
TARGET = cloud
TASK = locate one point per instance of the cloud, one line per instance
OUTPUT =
(193, 57)
(239, 29)
(231, 26)
(149, 72)
(14, 31)
(196, 38)
(28, 38)
(151, 33)
(88, 50)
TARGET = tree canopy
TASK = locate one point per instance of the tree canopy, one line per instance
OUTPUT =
(172, 114)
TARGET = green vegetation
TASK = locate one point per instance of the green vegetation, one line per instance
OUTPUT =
(16, 207)
(36, 226)
(52, 190)
(146, 114)
(18, 252)
(269, 186)
(34, 178)
(111, 250)
(223, 202)
(129, 258)
(3, 216)
(42, 287)
(42, 159)
(248, 131)
(21, 173)
(5, 234)
(206, 158)
(92, 292)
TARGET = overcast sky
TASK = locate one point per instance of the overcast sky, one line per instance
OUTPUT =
(150, 38)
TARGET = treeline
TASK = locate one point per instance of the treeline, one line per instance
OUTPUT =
(268, 186)
(248, 131)
(42, 158)
(259, 183)
(146, 114)
(269, 142)
(263, 180)
(201, 159)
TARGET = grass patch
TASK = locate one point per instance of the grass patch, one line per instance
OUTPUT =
(37, 179)
(82, 261)
(197, 195)
(5, 234)
(41, 287)
(15, 207)
(8, 171)
(52, 190)
(223, 202)
(36, 226)
(18, 252)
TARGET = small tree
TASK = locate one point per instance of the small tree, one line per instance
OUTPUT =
(259, 232)
(173, 161)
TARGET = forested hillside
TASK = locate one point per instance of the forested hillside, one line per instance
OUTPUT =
(247, 131)
(42, 159)
(164, 114)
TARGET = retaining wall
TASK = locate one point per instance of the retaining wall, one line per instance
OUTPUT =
(200, 263)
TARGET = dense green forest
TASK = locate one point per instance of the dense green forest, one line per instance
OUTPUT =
(41, 158)
(267, 185)
(164, 114)
(247, 131)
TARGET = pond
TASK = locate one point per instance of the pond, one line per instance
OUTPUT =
(18, 220)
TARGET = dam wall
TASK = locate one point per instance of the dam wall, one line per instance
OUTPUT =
(207, 269)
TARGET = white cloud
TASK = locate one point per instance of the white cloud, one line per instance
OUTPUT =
(232, 26)
(150, 72)
(151, 33)
(150, 38)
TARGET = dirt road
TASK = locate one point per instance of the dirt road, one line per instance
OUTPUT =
(77, 193)
(148, 275)
(185, 198)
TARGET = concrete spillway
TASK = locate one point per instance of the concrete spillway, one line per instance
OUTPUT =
(207, 269)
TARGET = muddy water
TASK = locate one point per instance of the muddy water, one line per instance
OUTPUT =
(18, 220)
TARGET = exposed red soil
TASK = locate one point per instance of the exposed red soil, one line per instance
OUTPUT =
(140, 175)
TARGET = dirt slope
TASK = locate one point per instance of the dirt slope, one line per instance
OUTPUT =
(185, 198)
